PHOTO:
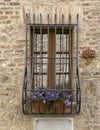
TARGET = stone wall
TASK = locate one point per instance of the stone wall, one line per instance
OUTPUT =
(12, 48)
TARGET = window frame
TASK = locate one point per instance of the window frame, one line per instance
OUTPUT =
(52, 32)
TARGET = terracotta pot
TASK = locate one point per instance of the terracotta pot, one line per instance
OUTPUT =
(39, 107)
(57, 107)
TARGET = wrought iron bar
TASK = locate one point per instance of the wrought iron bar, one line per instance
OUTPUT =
(48, 45)
(60, 60)
(63, 48)
(25, 87)
(35, 48)
(51, 25)
(33, 45)
(40, 71)
(36, 60)
(46, 52)
(52, 57)
(70, 60)
(66, 66)
(31, 54)
(32, 37)
(55, 21)
(58, 73)
(78, 94)
(37, 63)
(42, 81)
(24, 94)
(77, 52)
(70, 75)
(71, 90)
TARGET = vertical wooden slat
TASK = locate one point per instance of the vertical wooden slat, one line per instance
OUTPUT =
(51, 62)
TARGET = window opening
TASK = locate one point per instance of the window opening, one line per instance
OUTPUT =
(51, 65)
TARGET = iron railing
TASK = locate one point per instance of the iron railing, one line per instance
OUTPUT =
(51, 63)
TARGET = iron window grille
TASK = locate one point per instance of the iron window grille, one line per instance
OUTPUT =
(51, 63)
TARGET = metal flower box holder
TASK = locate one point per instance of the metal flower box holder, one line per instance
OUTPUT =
(54, 66)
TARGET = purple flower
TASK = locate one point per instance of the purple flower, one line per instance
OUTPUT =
(47, 96)
(44, 101)
(33, 97)
(67, 102)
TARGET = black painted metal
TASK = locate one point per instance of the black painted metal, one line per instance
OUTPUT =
(64, 60)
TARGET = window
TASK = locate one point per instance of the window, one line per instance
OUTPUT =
(52, 60)
(51, 51)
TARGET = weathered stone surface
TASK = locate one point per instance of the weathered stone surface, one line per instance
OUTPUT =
(12, 49)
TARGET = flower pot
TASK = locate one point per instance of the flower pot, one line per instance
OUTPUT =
(57, 107)
(39, 107)
(60, 107)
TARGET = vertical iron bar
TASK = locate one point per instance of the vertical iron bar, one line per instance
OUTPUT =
(60, 61)
(63, 52)
(40, 71)
(66, 65)
(70, 57)
(77, 38)
(47, 47)
(41, 54)
(63, 48)
(33, 52)
(26, 52)
(24, 93)
(31, 60)
(55, 22)
(70, 50)
(55, 47)
(35, 42)
(40, 57)
(77, 50)
(36, 61)
(77, 63)
(77, 71)
(42, 63)
(41, 51)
